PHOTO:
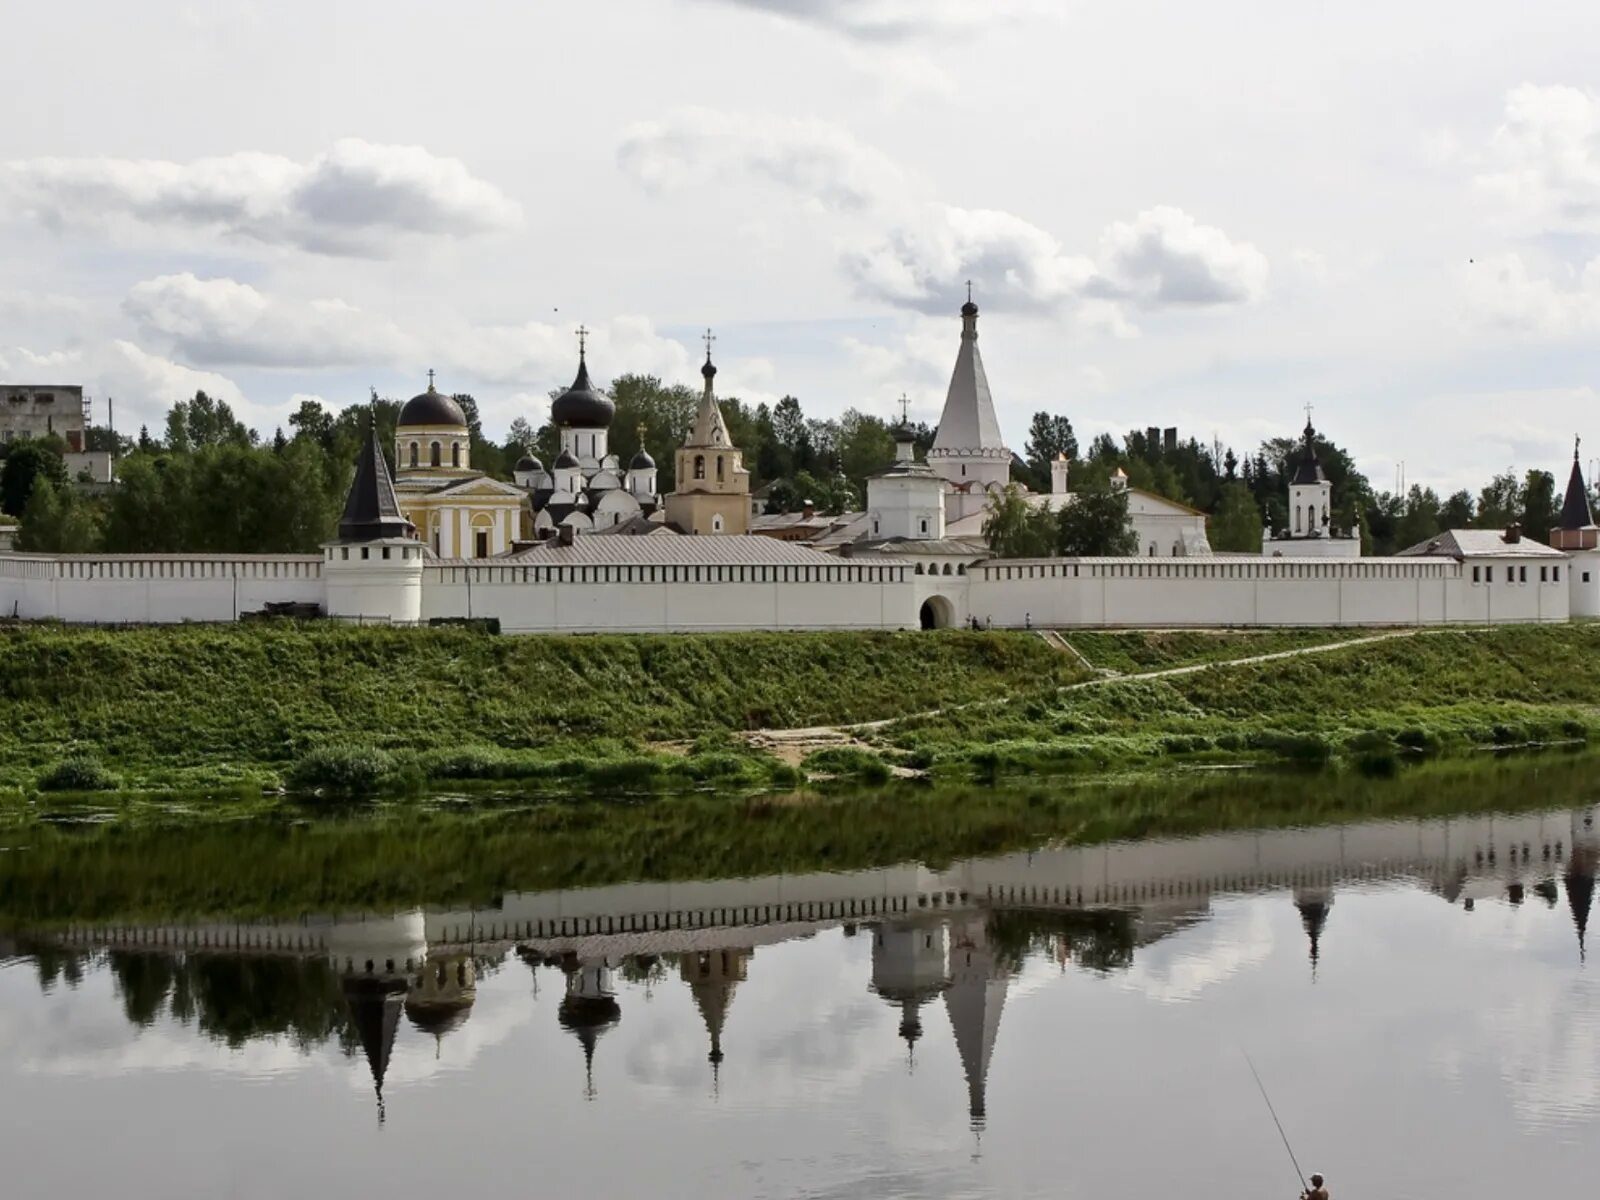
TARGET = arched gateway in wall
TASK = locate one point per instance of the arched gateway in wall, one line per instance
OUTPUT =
(936, 613)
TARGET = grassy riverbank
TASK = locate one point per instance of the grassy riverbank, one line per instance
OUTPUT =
(202, 708)
(1374, 704)
(150, 862)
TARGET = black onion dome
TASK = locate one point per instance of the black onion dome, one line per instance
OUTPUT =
(565, 461)
(969, 309)
(903, 432)
(709, 371)
(582, 406)
(642, 461)
(529, 463)
(431, 408)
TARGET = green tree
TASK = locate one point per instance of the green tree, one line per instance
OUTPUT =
(1419, 522)
(1236, 525)
(865, 447)
(1096, 524)
(313, 422)
(1013, 528)
(1500, 502)
(205, 421)
(27, 462)
(1458, 511)
(1048, 436)
(59, 520)
(1538, 505)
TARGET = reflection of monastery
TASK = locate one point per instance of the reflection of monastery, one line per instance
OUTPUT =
(952, 938)
(586, 544)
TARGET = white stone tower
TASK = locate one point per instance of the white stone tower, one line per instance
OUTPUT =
(968, 450)
(907, 500)
(373, 569)
(1310, 493)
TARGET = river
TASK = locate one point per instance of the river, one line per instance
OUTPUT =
(1067, 1020)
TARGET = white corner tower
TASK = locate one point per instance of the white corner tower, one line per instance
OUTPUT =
(1576, 533)
(373, 570)
(968, 450)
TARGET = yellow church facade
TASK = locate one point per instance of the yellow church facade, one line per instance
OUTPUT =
(458, 512)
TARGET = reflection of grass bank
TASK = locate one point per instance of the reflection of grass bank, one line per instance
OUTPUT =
(195, 708)
(151, 864)
(1373, 705)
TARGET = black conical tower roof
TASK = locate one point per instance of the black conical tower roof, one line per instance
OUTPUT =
(374, 1006)
(1309, 470)
(371, 510)
(1575, 510)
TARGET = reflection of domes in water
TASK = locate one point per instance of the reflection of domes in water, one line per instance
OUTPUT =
(442, 994)
(1313, 906)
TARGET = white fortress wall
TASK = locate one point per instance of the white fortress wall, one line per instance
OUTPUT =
(672, 598)
(1258, 591)
(157, 588)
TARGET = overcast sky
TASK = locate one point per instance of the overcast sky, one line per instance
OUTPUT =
(1202, 215)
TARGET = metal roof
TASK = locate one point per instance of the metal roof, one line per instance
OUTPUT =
(1478, 543)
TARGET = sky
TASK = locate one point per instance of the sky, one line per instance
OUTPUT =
(1202, 216)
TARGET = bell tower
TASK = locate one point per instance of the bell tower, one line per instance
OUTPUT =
(712, 494)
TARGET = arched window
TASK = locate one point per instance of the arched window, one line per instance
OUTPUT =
(716, 520)
(1297, 518)
(433, 455)
(923, 524)
(1152, 549)
(920, 571)
(413, 454)
(699, 466)
(719, 468)
(455, 454)
(947, 568)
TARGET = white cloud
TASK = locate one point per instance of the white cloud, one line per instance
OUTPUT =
(914, 253)
(1165, 257)
(1543, 163)
(356, 198)
(221, 322)
(810, 158)
(899, 20)
(1502, 291)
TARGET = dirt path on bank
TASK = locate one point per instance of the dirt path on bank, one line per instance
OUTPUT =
(792, 745)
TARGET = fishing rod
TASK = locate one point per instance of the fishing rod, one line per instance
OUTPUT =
(1304, 1190)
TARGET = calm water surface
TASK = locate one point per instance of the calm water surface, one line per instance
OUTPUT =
(1068, 1022)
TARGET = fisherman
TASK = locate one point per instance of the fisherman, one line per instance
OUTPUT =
(1316, 1191)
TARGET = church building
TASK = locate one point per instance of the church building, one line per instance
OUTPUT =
(586, 488)
(458, 512)
(1310, 532)
(712, 495)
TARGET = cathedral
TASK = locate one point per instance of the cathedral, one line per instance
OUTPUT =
(585, 488)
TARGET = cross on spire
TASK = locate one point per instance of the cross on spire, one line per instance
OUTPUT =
(905, 409)
(583, 339)
(1308, 413)
(1576, 442)
(708, 338)
(969, 291)
(430, 379)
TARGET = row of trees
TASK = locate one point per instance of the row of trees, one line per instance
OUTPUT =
(207, 482)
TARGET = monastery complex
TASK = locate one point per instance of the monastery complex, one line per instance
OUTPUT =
(588, 544)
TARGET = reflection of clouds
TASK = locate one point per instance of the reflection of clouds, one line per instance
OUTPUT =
(1238, 936)
(1547, 1042)
(84, 1033)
